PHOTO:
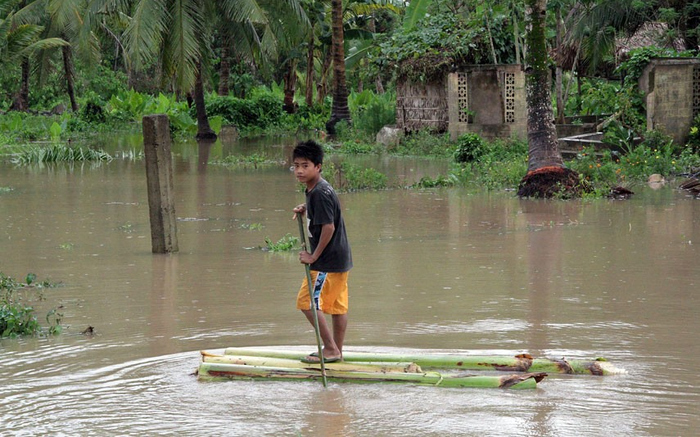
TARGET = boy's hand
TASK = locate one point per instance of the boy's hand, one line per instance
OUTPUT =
(306, 258)
(299, 209)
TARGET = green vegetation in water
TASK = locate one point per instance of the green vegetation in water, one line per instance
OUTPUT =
(17, 317)
(439, 181)
(59, 152)
(354, 178)
(284, 244)
(126, 227)
(252, 226)
(657, 154)
(66, 246)
(256, 160)
(5, 189)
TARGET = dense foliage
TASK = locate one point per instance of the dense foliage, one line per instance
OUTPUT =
(284, 57)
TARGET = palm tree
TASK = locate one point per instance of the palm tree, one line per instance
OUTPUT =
(546, 174)
(20, 39)
(340, 110)
(177, 34)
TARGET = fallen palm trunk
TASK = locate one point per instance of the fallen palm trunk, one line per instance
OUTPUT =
(214, 371)
(379, 367)
(518, 363)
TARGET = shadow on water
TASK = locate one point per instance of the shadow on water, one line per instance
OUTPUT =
(435, 269)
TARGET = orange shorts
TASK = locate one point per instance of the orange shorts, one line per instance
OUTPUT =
(330, 292)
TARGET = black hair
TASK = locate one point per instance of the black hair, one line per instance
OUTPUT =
(310, 150)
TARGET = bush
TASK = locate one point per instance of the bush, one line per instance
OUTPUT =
(426, 143)
(501, 164)
(259, 112)
(357, 178)
(598, 169)
(17, 318)
(371, 112)
(92, 111)
(470, 147)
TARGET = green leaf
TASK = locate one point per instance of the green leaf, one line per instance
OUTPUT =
(415, 11)
(55, 131)
(31, 277)
(215, 123)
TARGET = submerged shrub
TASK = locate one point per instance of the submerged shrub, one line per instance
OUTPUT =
(357, 178)
(284, 244)
(17, 318)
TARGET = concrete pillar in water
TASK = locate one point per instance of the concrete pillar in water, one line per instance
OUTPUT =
(159, 178)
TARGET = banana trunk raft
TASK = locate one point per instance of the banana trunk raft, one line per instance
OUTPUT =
(236, 366)
(363, 367)
(517, 363)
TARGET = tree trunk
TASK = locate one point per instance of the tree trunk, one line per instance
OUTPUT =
(546, 176)
(22, 102)
(204, 131)
(310, 70)
(290, 86)
(68, 67)
(322, 84)
(378, 85)
(339, 110)
(224, 70)
(543, 150)
(559, 84)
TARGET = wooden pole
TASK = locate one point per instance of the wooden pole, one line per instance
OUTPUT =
(159, 178)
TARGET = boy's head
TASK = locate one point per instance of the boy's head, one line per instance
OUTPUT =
(310, 150)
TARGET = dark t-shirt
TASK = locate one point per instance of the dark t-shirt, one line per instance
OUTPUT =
(323, 207)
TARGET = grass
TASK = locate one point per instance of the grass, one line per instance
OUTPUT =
(252, 226)
(255, 160)
(58, 153)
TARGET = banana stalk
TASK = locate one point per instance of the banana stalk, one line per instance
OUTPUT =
(518, 363)
(215, 371)
(296, 364)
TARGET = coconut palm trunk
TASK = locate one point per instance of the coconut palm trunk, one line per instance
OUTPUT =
(204, 131)
(310, 70)
(290, 87)
(224, 71)
(322, 84)
(546, 176)
(22, 103)
(339, 110)
(70, 85)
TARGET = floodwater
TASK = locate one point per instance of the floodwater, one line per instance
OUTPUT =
(437, 269)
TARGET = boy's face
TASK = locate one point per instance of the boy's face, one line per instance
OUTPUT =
(306, 172)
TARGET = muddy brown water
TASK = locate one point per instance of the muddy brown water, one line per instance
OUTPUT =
(434, 270)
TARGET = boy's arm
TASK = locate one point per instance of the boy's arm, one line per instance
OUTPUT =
(327, 231)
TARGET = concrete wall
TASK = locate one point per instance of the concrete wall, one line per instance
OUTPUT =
(671, 86)
(488, 100)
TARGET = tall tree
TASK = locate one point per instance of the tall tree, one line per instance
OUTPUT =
(36, 16)
(20, 38)
(546, 174)
(174, 34)
(340, 110)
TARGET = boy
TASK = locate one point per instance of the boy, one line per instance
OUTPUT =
(330, 258)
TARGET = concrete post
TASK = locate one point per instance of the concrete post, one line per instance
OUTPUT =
(159, 179)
